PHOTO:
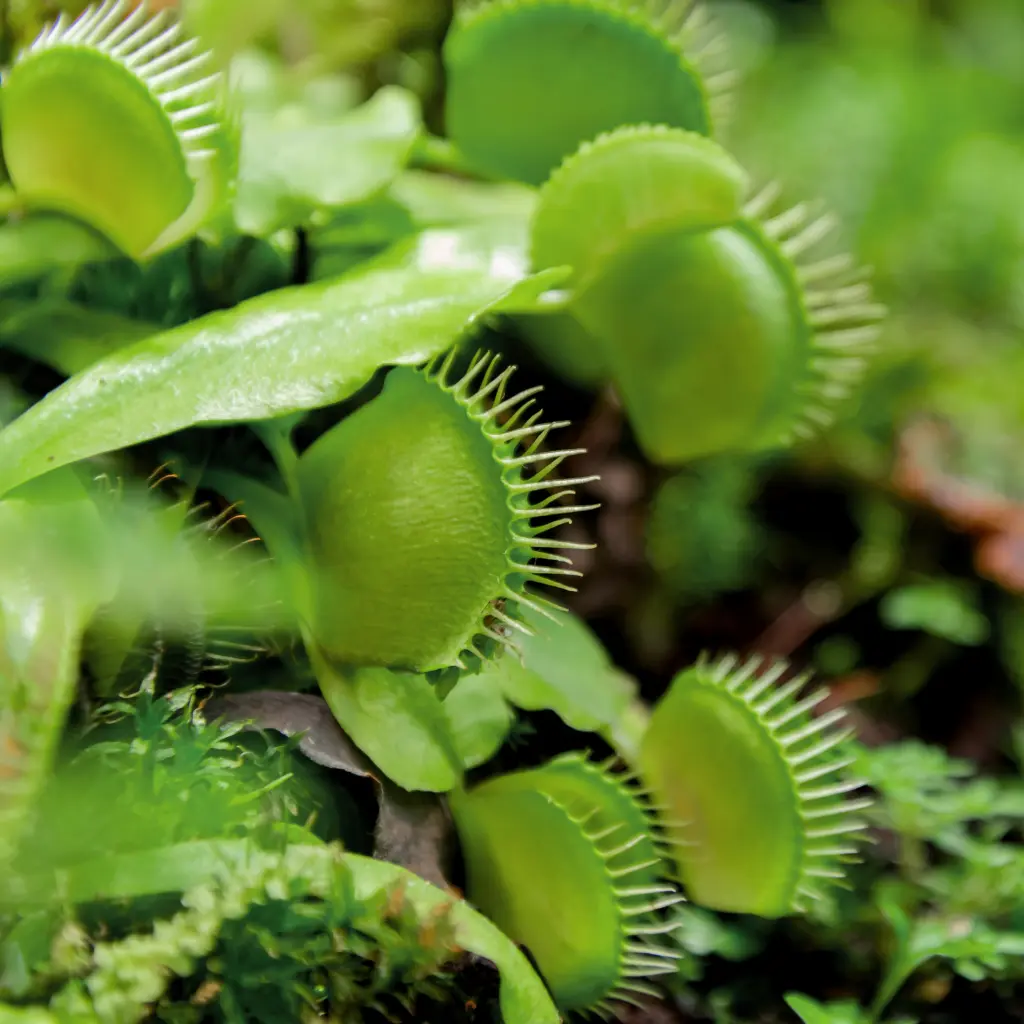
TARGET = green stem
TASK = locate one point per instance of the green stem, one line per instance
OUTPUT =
(276, 438)
(431, 153)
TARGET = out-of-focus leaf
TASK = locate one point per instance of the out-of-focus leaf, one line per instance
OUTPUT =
(53, 575)
(812, 1012)
(227, 26)
(975, 949)
(24, 949)
(295, 163)
(497, 248)
(924, 791)
(290, 350)
(939, 607)
(357, 233)
(12, 402)
(704, 933)
(25, 1015)
(701, 536)
(439, 200)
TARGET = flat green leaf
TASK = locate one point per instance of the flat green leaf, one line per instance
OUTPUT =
(480, 718)
(25, 1015)
(943, 608)
(296, 162)
(494, 247)
(810, 1011)
(564, 669)
(66, 336)
(396, 719)
(287, 351)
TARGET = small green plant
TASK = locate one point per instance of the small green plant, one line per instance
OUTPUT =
(329, 295)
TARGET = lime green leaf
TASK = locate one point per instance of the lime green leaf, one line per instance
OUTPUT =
(495, 247)
(25, 1015)
(290, 350)
(940, 607)
(436, 200)
(396, 719)
(480, 717)
(812, 1012)
(295, 162)
(564, 669)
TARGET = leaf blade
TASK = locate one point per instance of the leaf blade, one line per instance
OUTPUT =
(287, 351)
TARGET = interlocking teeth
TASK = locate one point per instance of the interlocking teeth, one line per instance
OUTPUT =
(153, 50)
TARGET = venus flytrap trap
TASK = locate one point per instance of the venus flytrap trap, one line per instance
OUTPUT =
(756, 788)
(118, 119)
(530, 80)
(564, 858)
(710, 316)
(462, 529)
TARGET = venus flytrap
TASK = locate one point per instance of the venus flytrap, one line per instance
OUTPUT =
(755, 788)
(458, 519)
(119, 119)
(530, 80)
(722, 325)
(564, 858)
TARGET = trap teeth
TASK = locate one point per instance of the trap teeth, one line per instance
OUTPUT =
(116, 118)
(768, 816)
(529, 80)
